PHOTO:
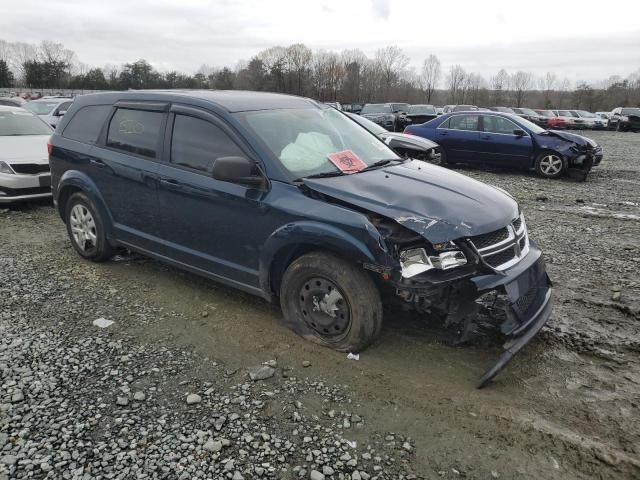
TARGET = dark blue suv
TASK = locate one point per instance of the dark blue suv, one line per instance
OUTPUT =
(289, 199)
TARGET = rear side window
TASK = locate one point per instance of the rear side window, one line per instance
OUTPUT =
(86, 124)
(135, 131)
(464, 122)
(197, 143)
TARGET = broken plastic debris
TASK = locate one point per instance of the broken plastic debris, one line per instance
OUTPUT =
(353, 356)
(103, 322)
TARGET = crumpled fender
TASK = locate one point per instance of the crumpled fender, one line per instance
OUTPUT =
(328, 237)
(75, 178)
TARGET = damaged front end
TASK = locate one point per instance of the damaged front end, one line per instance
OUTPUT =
(580, 154)
(455, 280)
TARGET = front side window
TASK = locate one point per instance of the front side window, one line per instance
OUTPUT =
(135, 131)
(16, 123)
(631, 111)
(86, 124)
(494, 124)
(302, 140)
(464, 122)
(196, 143)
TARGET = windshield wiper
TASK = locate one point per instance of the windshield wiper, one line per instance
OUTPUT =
(324, 175)
(379, 163)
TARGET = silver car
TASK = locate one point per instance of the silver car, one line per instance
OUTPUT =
(24, 159)
(50, 109)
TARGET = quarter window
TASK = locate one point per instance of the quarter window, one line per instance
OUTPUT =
(464, 122)
(196, 143)
(498, 125)
(135, 131)
(86, 124)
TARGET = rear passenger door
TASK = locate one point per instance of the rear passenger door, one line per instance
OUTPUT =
(207, 224)
(459, 137)
(124, 168)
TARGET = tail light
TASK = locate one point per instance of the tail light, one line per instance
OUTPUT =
(49, 148)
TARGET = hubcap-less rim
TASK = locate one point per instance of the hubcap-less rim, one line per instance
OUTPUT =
(83, 227)
(324, 308)
(551, 164)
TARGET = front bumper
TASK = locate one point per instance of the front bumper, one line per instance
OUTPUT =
(527, 288)
(18, 187)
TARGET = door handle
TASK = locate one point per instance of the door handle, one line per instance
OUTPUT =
(442, 134)
(97, 162)
(485, 137)
(170, 182)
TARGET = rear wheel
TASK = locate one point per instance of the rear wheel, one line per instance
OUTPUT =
(331, 302)
(549, 165)
(86, 229)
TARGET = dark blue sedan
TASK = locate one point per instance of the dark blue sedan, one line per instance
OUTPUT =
(497, 139)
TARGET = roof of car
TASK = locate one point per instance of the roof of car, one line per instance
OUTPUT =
(53, 99)
(229, 100)
(7, 108)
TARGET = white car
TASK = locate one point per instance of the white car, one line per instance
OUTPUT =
(24, 158)
(50, 109)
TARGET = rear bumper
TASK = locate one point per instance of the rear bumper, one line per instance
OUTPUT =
(16, 187)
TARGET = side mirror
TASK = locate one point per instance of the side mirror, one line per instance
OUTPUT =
(519, 133)
(61, 113)
(236, 170)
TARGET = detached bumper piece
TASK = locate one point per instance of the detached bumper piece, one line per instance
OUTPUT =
(529, 307)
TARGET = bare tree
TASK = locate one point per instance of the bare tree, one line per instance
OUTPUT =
(391, 61)
(299, 63)
(500, 87)
(431, 72)
(546, 84)
(353, 64)
(565, 86)
(521, 82)
(455, 83)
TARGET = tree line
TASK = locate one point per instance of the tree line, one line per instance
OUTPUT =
(348, 76)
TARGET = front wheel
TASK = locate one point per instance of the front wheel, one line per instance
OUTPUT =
(86, 229)
(331, 302)
(549, 165)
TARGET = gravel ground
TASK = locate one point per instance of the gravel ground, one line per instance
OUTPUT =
(196, 380)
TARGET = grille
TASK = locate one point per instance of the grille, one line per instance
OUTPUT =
(30, 168)
(500, 258)
(491, 238)
(517, 223)
(525, 301)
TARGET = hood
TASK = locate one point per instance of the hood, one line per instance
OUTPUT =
(24, 149)
(394, 140)
(573, 138)
(434, 202)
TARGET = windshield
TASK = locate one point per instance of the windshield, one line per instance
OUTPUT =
(545, 113)
(368, 124)
(465, 108)
(528, 111)
(376, 108)
(400, 107)
(502, 109)
(630, 111)
(527, 124)
(427, 109)
(585, 114)
(15, 123)
(564, 113)
(41, 108)
(302, 140)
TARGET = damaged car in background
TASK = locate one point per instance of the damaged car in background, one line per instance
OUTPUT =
(407, 146)
(494, 139)
(338, 220)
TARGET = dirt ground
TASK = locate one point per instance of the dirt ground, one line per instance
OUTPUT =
(567, 407)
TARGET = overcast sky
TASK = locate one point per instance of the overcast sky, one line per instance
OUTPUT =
(582, 39)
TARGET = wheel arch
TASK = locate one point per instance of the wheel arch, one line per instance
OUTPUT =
(292, 241)
(73, 181)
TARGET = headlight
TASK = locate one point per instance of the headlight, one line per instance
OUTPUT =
(624, 119)
(416, 260)
(5, 168)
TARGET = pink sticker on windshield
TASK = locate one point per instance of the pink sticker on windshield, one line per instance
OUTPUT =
(347, 161)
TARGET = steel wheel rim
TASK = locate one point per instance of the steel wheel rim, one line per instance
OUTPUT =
(551, 164)
(324, 308)
(83, 228)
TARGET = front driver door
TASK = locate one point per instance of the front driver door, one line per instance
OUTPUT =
(210, 225)
(499, 146)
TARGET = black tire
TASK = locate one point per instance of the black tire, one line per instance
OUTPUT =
(97, 249)
(316, 273)
(443, 158)
(542, 162)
